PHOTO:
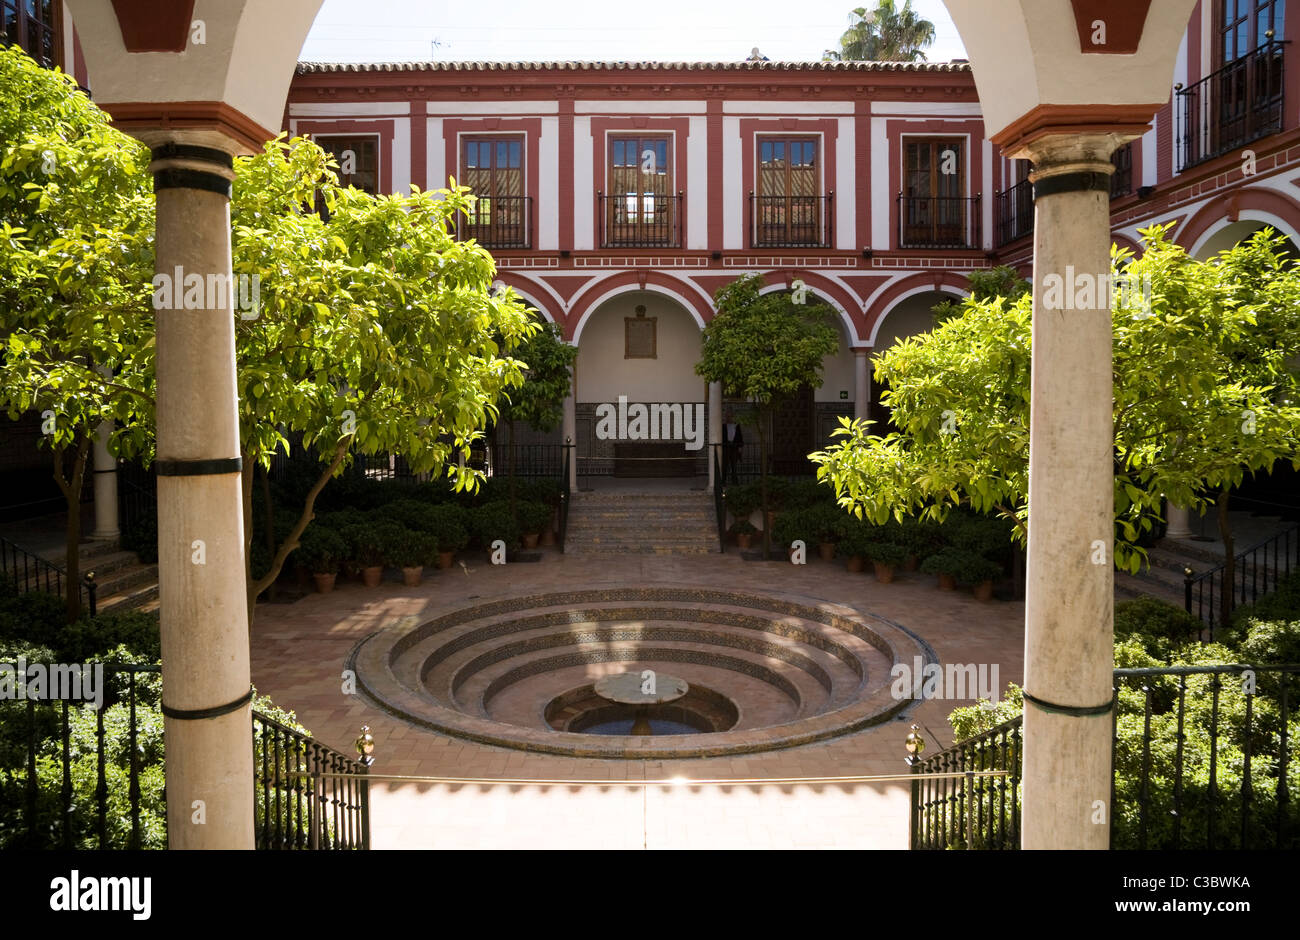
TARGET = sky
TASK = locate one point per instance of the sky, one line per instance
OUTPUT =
(592, 30)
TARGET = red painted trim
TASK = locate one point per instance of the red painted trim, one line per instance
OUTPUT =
(717, 177)
(579, 311)
(936, 280)
(420, 145)
(536, 293)
(566, 171)
(602, 128)
(531, 129)
(974, 132)
(383, 127)
(1231, 203)
(862, 172)
(154, 25)
(1125, 21)
(827, 288)
(79, 70)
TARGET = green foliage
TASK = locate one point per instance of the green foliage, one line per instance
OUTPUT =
(370, 544)
(492, 521)
(411, 514)
(412, 549)
(322, 549)
(885, 553)
(826, 521)
(450, 528)
(885, 33)
(971, 720)
(1156, 625)
(803, 494)
(966, 567)
(743, 499)
(539, 401)
(743, 527)
(534, 518)
(794, 524)
(1213, 347)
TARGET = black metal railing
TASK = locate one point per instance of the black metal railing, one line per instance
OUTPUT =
(498, 222)
(531, 461)
(939, 222)
(1121, 181)
(791, 221)
(30, 572)
(1241, 102)
(640, 220)
(566, 493)
(974, 812)
(299, 801)
(137, 495)
(1259, 568)
(1201, 759)
(59, 784)
(719, 495)
(1015, 212)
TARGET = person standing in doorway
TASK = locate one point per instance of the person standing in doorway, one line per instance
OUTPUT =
(732, 440)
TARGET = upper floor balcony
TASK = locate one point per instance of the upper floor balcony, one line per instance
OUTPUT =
(640, 220)
(498, 222)
(939, 221)
(1227, 109)
(790, 221)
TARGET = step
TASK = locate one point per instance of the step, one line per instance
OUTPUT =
(140, 597)
(125, 578)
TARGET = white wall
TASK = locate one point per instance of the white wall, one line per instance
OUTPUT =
(603, 373)
(913, 315)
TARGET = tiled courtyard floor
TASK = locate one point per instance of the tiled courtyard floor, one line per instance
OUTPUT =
(298, 655)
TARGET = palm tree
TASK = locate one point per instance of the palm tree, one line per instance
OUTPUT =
(885, 34)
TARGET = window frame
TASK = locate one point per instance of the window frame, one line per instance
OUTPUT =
(379, 154)
(23, 39)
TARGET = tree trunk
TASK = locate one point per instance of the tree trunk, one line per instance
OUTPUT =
(1229, 559)
(72, 532)
(269, 512)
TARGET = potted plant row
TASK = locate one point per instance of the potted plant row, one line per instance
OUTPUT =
(954, 565)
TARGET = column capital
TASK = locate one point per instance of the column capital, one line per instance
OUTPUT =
(1072, 151)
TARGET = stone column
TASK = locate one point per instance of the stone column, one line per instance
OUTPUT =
(1180, 522)
(105, 473)
(570, 427)
(1069, 613)
(715, 426)
(205, 643)
(861, 385)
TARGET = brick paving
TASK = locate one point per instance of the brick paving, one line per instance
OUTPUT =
(298, 655)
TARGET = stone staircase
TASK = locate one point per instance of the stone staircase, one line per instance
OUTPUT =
(1164, 579)
(679, 522)
(124, 582)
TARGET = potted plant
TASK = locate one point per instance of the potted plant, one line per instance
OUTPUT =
(955, 564)
(534, 518)
(742, 500)
(824, 520)
(744, 531)
(321, 550)
(493, 521)
(449, 532)
(411, 553)
(885, 557)
(790, 526)
(370, 547)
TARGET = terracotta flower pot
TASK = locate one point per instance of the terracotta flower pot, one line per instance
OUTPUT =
(884, 573)
(548, 538)
(853, 563)
(411, 576)
(984, 591)
(445, 559)
(530, 540)
(371, 575)
(826, 550)
(912, 563)
(947, 582)
(744, 539)
(324, 582)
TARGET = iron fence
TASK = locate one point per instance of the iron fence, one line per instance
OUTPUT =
(1015, 212)
(1240, 102)
(791, 221)
(972, 812)
(640, 220)
(939, 221)
(498, 222)
(1259, 569)
(30, 572)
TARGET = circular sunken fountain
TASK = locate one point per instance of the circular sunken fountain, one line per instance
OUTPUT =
(763, 671)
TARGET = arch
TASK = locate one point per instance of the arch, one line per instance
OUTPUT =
(890, 296)
(1244, 205)
(596, 294)
(824, 288)
(531, 291)
(1124, 241)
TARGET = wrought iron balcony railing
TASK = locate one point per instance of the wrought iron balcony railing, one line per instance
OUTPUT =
(640, 220)
(1241, 102)
(499, 222)
(939, 221)
(1015, 212)
(791, 221)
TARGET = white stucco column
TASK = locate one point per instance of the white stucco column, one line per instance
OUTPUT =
(1180, 522)
(715, 425)
(1069, 607)
(203, 601)
(861, 385)
(570, 427)
(105, 473)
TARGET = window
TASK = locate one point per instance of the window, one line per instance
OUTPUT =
(31, 25)
(358, 159)
(640, 209)
(934, 211)
(788, 209)
(493, 169)
(1244, 25)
